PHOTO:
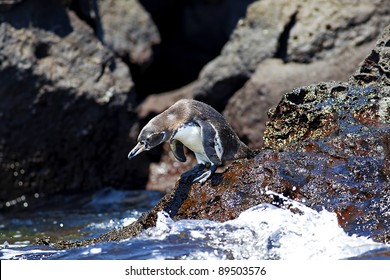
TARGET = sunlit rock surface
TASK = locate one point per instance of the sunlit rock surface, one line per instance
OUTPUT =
(276, 47)
(327, 147)
(292, 31)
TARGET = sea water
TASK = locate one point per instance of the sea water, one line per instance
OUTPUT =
(262, 232)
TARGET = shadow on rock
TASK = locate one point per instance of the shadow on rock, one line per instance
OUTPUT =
(328, 146)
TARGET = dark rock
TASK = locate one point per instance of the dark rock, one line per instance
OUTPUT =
(67, 108)
(272, 79)
(292, 31)
(335, 152)
(375, 69)
(267, 49)
(328, 146)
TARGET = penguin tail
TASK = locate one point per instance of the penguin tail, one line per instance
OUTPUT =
(250, 153)
(245, 152)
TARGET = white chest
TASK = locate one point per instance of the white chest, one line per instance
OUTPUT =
(191, 137)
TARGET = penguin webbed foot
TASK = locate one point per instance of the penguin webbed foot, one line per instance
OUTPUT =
(202, 178)
(205, 175)
(193, 171)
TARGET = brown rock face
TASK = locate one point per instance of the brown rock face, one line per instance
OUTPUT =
(327, 146)
(282, 45)
(279, 46)
(272, 79)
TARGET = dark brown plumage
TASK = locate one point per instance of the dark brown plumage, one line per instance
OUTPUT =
(201, 129)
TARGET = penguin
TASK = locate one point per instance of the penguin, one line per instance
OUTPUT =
(200, 128)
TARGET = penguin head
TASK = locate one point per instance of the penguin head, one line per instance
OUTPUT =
(148, 139)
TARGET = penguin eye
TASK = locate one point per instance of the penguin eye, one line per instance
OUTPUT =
(156, 139)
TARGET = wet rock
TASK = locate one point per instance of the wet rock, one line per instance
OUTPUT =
(292, 31)
(272, 79)
(272, 50)
(172, 200)
(327, 146)
(67, 107)
(381, 254)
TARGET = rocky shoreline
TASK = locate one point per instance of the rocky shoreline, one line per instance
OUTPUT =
(71, 109)
(326, 146)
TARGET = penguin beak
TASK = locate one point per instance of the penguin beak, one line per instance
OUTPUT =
(139, 148)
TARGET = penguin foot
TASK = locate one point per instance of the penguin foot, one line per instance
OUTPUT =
(196, 169)
(204, 176)
(192, 172)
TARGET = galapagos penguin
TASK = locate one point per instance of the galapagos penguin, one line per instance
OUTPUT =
(201, 129)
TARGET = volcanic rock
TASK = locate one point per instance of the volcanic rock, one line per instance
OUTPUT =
(327, 146)
(272, 79)
(278, 46)
(67, 107)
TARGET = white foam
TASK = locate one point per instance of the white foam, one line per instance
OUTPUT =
(92, 251)
(266, 232)
(12, 252)
(111, 224)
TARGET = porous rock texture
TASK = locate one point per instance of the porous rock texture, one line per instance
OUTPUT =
(320, 41)
(294, 31)
(277, 46)
(326, 145)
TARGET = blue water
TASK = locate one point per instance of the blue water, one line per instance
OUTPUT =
(262, 232)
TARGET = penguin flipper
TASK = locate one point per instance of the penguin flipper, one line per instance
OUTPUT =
(212, 148)
(178, 150)
(211, 142)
